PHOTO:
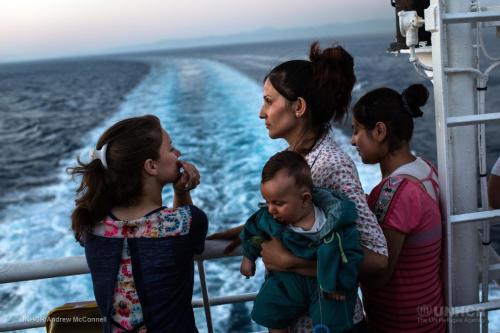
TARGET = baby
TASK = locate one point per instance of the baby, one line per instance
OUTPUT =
(315, 224)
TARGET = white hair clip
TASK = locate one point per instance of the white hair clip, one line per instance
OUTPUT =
(99, 154)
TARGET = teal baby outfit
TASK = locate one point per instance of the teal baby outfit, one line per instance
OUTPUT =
(284, 296)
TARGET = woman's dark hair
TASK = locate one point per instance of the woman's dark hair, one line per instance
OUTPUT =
(130, 142)
(395, 110)
(294, 163)
(325, 82)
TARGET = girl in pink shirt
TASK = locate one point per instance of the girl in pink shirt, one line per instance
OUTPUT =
(408, 295)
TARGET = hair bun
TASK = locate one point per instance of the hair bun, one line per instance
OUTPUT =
(331, 58)
(333, 79)
(334, 51)
(413, 98)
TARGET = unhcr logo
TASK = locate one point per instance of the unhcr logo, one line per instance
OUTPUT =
(435, 314)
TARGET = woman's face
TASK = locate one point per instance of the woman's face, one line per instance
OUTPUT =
(277, 113)
(168, 170)
(368, 148)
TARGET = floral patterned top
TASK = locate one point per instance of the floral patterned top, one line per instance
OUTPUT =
(332, 168)
(162, 222)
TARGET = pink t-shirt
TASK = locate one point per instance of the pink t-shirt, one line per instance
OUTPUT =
(412, 301)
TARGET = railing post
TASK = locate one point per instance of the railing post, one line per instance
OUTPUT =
(204, 295)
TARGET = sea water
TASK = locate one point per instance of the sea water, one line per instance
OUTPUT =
(207, 99)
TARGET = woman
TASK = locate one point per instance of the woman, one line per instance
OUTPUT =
(494, 186)
(408, 295)
(301, 99)
(140, 253)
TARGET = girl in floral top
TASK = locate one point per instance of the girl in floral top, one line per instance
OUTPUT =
(301, 100)
(140, 253)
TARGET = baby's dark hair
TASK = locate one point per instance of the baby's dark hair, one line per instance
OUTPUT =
(129, 142)
(395, 110)
(294, 163)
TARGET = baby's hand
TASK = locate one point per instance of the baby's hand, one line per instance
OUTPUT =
(335, 296)
(247, 267)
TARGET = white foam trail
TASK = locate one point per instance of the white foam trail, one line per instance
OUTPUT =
(37, 230)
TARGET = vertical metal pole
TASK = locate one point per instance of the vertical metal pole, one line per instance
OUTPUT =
(461, 101)
(481, 139)
(204, 293)
(484, 201)
(457, 155)
(433, 23)
(466, 253)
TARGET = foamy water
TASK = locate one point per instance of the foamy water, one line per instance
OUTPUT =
(211, 113)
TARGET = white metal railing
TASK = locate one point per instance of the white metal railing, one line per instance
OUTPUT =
(470, 17)
(455, 74)
(68, 266)
(451, 24)
(491, 216)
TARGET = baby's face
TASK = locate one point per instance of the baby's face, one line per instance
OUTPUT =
(284, 198)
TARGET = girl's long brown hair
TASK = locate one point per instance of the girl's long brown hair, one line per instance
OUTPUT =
(130, 142)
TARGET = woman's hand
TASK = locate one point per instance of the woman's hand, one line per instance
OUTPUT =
(232, 235)
(275, 256)
(189, 179)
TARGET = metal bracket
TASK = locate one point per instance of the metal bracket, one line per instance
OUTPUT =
(431, 15)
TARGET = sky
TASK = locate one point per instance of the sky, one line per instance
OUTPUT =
(48, 28)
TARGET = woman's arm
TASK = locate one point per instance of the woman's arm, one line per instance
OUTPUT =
(230, 234)
(373, 263)
(277, 258)
(182, 198)
(343, 177)
(494, 191)
(395, 241)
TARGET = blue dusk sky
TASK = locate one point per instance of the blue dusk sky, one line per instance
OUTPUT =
(53, 28)
(31, 29)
